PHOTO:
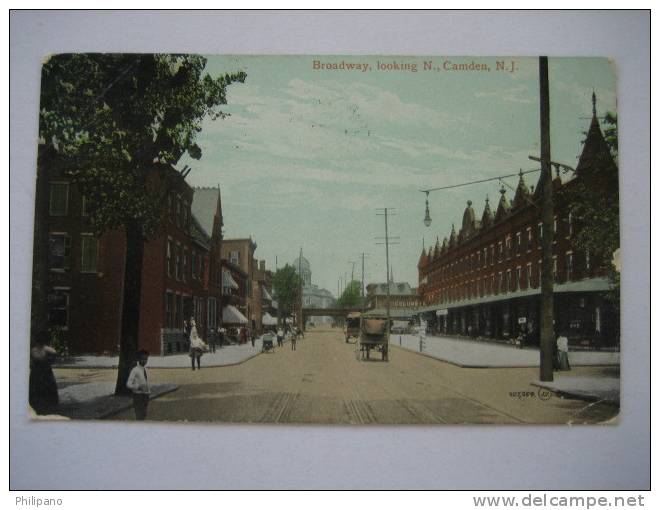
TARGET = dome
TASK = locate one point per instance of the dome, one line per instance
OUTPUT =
(302, 263)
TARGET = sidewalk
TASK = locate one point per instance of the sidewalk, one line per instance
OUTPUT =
(222, 357)
(601, 389)
(477, 354)
(94, 401)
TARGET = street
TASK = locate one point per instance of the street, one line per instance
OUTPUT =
(324, 382)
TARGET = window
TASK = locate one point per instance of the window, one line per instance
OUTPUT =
(519, 284)
(555, 271)
(59, 252)
(178, 262)
(587, 261)
(184, 269)
(529, 239)
(193, 265)
(169, 310)
(58, 308)
(569, 266)
(509, 283)
(178, 211)
(540, 234)
(89, 253)
(500, 251)
(500, 286)
(529, 275)
(569, 221)
(508, 247)
(178, 314)
(540, 266)
(485, 285)
(233, 257)
(59, 198)
(485, 256)
(84, 207)
(170, 258)
(554, 225)
(518, 242)
(492, 254)
(212, 313)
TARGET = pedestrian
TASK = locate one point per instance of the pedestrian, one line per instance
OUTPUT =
(243, 335)
(562, 353)
(138, 383)
(294, 338)
(212, 340)
(197, 346)
(221, 337)
(251, 335)
(280, 337)
(42, 394)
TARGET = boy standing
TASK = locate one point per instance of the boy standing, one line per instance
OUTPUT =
(138, 383)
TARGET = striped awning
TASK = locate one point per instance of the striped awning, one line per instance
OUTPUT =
(228, 280)
(268, 320)
(231, 315)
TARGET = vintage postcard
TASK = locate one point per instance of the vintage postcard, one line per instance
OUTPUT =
(326, 240)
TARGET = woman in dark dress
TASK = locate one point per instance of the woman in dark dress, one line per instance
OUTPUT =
(43, 396)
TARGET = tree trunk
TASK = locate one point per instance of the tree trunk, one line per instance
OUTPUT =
(130, 314)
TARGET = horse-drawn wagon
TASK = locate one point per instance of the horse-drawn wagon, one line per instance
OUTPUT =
(374, 335)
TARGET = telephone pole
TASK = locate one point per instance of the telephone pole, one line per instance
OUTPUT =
(387, 270)
(547, 216)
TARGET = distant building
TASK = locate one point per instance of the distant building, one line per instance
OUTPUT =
(313, 296)
(240, 253)
(401, 295)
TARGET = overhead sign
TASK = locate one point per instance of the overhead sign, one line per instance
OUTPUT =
(522, 320)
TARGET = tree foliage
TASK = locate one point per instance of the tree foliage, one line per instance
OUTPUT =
(593, 200)
(112, 118)
(286, 284)
(352, 295)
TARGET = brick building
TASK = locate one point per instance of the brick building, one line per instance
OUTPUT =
(240, 254)
(484, 280)
(78, 277)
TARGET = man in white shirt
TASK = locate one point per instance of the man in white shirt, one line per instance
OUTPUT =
(138, 383)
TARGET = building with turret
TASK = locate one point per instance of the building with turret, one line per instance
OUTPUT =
(313, 296)
(484, 280)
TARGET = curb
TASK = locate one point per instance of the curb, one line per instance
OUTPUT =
(129, 405)
(579, 395)
(114, 367)
(457, 364)
(461, 365)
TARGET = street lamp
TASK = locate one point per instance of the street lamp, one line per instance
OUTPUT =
(427, 215)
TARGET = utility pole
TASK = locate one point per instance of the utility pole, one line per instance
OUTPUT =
(387, 271)
(301, 323)
(547, 216)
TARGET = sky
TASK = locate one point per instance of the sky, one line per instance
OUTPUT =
(309, 154)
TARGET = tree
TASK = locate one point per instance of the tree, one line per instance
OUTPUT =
(593, 199)
(114, 119)
(352, 295)
(286, 284)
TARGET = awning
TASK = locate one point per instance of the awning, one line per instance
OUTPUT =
(265, 294)
(231, 315)
(587, 285)
(268, 320)
(228, 280)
